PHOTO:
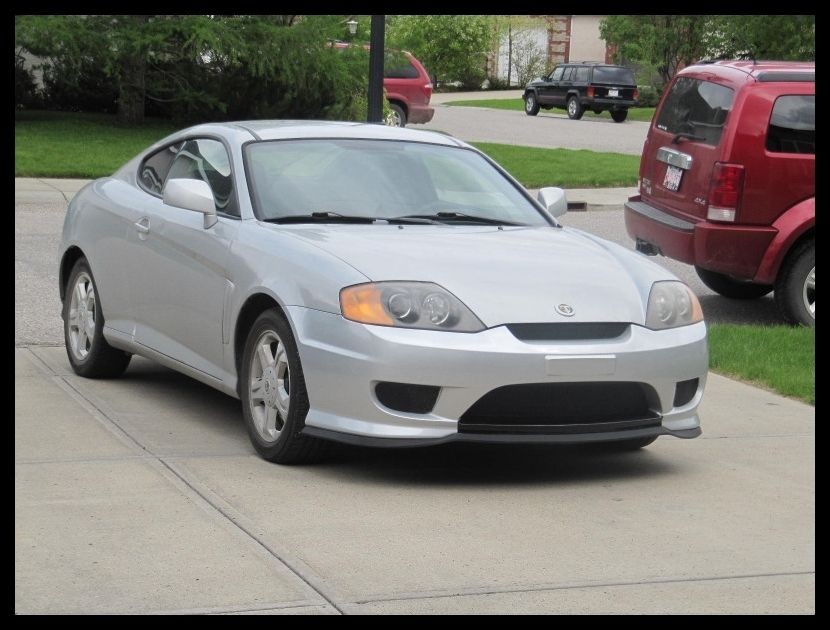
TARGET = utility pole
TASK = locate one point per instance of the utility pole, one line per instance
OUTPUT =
(376, 50)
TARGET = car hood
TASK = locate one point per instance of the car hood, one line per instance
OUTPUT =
(509, 275)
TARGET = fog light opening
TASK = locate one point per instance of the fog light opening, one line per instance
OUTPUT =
(684, 391)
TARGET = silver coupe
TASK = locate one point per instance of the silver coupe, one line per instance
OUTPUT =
(374, 285)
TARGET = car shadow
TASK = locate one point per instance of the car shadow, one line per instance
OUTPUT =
(469, 464)
(720, 310)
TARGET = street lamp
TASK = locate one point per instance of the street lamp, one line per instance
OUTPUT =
(352, 24)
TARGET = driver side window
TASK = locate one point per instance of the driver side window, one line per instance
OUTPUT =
(557, 73)
(207, 160)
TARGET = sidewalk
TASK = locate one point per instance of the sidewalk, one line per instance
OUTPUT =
(50, 190)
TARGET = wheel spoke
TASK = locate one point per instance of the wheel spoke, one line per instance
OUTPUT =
(90, 298)
(73, 318)
(89, 329)
(257, 394)
(266, 359)
(270, 419)
(82, 339)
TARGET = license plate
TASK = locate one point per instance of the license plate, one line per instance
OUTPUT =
(613, 92)
(672, 179)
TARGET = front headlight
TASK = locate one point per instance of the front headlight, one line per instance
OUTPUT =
(672, 304)
(407, 305)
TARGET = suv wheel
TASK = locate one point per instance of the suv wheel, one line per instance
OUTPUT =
(398, 117)
(730, 287)
(619, 115)
(575, 110)
(795, 288)
(531, 104)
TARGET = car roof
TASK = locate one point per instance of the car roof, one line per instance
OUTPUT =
(763, 71)
(298, 129)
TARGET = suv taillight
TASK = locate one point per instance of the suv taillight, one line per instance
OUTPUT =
(636, 95)
(725, 191)
(590, 91)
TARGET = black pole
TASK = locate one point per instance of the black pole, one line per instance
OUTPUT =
(377, 40)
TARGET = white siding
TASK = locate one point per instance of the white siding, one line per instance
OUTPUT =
(586, 44)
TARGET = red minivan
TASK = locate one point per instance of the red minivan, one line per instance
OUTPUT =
(728, 180)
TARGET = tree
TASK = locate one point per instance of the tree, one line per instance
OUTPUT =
(452, 47)
(529, 58)
(664, 42)
(201, 66)
(784, 37)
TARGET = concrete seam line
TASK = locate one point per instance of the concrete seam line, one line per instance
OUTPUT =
(472, 592)
(170, 470)
(224, 610)
(296, 566)
(63, 194)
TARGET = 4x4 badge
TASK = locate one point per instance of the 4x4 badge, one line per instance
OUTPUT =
(565, 309)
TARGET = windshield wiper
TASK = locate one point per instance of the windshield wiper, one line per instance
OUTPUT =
(321, 217)
(690, 136)
(461, 216)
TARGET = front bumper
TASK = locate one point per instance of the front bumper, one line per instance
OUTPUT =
(343, 360)
(735, 250)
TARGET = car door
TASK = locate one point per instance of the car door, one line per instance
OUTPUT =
(546, 93)
(560, 95)
(180, 281)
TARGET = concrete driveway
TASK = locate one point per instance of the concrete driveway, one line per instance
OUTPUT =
(143, 494)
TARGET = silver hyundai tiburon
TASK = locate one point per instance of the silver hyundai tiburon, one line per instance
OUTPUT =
(374, 285)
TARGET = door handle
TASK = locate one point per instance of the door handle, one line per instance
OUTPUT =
(142, 226)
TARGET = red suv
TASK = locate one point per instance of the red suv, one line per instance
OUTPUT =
(407, 84)
(728, 181)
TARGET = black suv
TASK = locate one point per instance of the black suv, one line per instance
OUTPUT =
(584, 85)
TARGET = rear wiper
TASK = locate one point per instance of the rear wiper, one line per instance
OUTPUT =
(690, 136)
(321, 217)
(469, 218)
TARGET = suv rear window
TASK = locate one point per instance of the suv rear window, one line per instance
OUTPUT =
(613, 74)
(696, 107)
(397, 66)
(792, 126)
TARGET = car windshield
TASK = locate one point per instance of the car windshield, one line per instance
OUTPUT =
(381, 179)
(613, 74)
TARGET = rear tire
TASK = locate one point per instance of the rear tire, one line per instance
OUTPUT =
(619, 115)
(83, 328)
(795, 287)
(398, 117)
(730, 287)
(274, 396)
(531, 104)
(575, 109)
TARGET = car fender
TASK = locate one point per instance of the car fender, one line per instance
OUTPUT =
(791, 226)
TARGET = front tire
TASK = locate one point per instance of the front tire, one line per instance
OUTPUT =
(730, 287)
(619, 115)
(531, 104)
(274, 395)
(795, 288)
(575, 109)
(83, 328)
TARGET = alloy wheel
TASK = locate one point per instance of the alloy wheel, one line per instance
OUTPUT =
(81, 317)
(808, 293)
(269, 386)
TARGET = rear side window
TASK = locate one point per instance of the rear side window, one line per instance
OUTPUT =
(613, 74)
(792, 126)
(566, 76)
(696, 107)
(207, 160)
(583, 74)
(397, 66)
(153, 171)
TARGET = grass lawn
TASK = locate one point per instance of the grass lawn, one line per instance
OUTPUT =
(780, 358)
(517, 104)
(62, 144)
(567, 168)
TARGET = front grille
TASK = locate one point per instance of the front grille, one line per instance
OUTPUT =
(561, 408)
(563, 331)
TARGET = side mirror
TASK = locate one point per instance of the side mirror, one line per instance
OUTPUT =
(554, 200)
(191, 194)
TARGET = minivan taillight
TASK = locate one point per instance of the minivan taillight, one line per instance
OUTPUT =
(428, 90)
(590, 91)
(725, 191)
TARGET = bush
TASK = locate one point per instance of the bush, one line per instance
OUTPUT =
(26, 95)
(79, 86)
(649, 96)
